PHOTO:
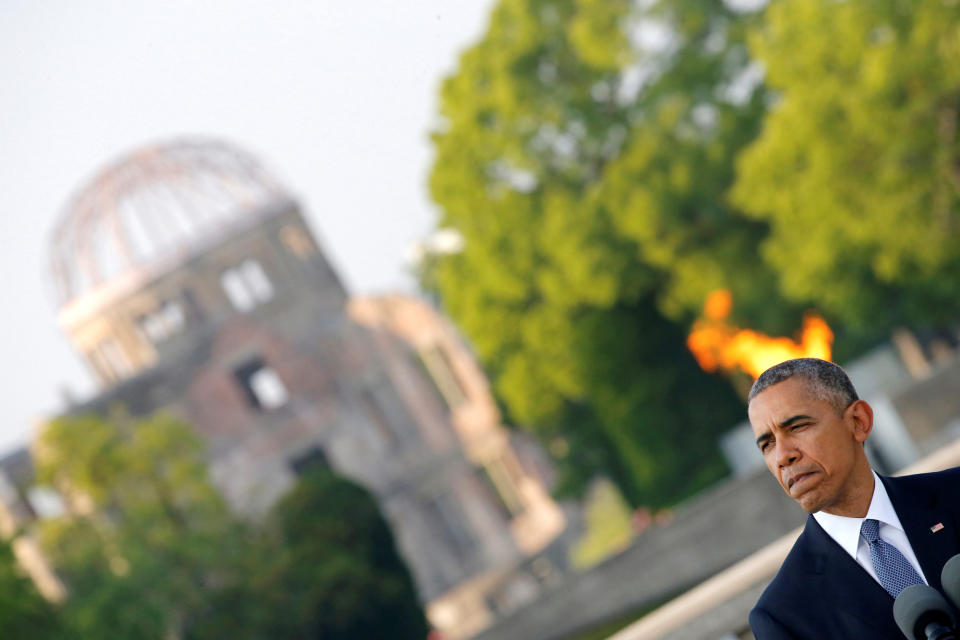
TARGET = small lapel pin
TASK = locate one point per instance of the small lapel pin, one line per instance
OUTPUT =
(936, 527)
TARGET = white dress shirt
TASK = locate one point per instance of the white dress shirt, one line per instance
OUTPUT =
(846, 531)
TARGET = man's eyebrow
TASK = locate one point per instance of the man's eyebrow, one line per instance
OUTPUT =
(763, 437)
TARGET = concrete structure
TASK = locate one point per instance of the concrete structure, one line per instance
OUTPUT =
(189, 282)
(742, 515)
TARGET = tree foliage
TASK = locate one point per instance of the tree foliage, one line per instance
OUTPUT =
(146, 534)
(342, 575)
(326, 568)
(149, 549)
(857, 171)
(364, 590)
(24, 613)
(584, 152)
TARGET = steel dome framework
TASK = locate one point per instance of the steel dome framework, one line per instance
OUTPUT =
(155, 204)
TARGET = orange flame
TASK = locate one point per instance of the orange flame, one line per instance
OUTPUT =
(717, 344)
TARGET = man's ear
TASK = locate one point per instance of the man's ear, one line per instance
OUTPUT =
(860, 415)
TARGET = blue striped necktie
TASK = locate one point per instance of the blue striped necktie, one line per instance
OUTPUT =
(894, 571)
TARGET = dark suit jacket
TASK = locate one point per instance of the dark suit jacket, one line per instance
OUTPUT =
(821, 593)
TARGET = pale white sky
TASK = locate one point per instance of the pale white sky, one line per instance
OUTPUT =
(335, 98)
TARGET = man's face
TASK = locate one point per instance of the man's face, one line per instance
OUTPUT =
(810, 448)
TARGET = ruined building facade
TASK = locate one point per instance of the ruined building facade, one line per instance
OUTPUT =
(188, 281)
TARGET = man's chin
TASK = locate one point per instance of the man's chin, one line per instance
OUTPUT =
(809, 502)
(810, 508)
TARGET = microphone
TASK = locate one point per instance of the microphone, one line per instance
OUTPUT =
(923, 614)
(950, 579)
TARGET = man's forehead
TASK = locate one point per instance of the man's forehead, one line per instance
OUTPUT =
(779, 402)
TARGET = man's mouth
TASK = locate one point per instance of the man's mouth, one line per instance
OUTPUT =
(799, 479)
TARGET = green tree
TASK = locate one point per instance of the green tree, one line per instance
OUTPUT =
(146, 533)
(857, 171)
(584, 154)
(149, 549)
(346, 578)
(24, 613)
(328, 569)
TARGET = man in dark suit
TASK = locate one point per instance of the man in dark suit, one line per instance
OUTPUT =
(867, 536)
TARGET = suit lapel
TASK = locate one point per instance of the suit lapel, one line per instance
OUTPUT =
(844, 585)
(921, 511)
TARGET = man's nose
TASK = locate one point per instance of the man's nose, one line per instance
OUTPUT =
(787, 452)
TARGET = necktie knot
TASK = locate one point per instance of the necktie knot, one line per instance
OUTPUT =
(870, 530)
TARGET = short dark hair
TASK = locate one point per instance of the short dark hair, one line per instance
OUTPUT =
(825, 380)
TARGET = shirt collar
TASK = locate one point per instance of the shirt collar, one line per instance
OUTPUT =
(846, 531)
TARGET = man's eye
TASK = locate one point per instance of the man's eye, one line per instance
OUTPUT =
(799, 426)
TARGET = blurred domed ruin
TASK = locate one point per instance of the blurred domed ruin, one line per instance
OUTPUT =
(154, 208)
